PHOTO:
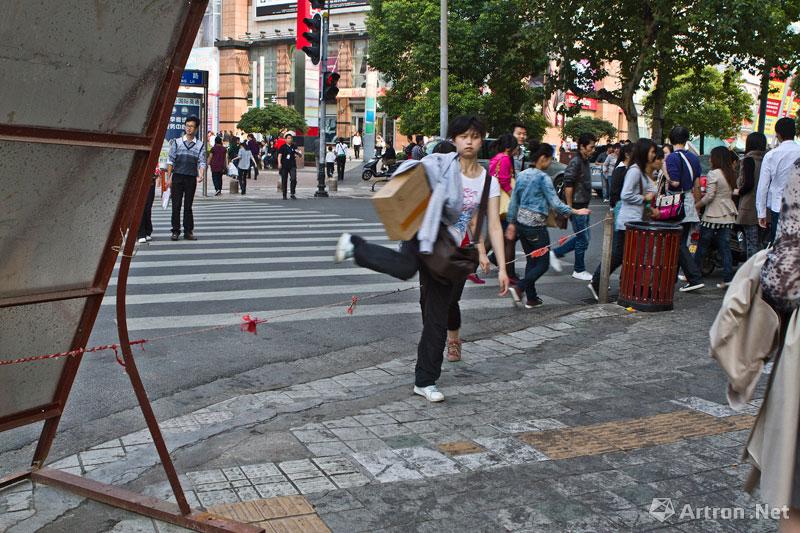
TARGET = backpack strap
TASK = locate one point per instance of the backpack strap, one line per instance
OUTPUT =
(487, 183)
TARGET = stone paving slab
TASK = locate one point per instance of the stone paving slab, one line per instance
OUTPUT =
(571, 425)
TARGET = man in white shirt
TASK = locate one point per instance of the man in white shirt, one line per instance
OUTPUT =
(775, 171)
(357, 144)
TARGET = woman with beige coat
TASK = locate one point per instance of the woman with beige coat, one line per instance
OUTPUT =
(764, 298)
(720, 212)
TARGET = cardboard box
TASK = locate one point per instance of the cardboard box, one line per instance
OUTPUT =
(401, 203)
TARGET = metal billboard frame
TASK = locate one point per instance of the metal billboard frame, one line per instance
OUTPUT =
(146, 148)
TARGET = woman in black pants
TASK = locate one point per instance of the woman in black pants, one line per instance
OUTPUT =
(457, 182)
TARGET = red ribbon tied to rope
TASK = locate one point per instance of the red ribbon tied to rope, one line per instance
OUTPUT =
(563, 239)
(352, 305)
(539, 252)
(250, 324)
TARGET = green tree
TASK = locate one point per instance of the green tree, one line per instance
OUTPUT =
(708, 102)
(761, 36)
(271, 119)
(490, 62)
(574, 127)
(641, 43)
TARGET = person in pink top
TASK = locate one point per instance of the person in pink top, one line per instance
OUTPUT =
(501, 166)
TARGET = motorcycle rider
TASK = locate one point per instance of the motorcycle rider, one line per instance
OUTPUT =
(389, 156)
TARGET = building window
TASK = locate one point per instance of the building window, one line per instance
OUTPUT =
(211, 26)
(270, 70)
(360, 54)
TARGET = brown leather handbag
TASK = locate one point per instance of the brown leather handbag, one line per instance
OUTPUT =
(449, 262)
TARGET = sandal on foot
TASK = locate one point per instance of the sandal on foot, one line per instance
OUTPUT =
(454, 351)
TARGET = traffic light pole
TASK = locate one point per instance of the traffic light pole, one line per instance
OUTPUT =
(323, 66)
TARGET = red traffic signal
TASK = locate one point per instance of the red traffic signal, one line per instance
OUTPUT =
(329, 88)
(314, 37)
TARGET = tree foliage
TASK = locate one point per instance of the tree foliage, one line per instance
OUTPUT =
(708, 102)
(490, 62)
(271, 119)
(574, 127)
(629, 41)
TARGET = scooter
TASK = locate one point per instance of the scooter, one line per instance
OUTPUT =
(372, 169)
(712, 259)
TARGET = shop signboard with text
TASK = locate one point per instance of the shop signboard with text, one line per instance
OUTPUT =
(267, 9)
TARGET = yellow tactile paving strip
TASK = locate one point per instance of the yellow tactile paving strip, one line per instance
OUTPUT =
(284, 514)
(631, 434)
(461, 447)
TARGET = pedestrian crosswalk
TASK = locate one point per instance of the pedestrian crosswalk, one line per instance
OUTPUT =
(267, 259)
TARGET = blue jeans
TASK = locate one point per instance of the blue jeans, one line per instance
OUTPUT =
(722, 237)
(579, 243)
(531, 239)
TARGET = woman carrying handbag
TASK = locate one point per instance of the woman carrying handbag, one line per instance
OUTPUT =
(501, 167)
(637, 191)
(448, 245)
(532, 200)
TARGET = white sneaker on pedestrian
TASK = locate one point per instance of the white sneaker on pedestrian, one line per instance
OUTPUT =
(555, 264)
(722, 285)
(149, 238)
(681, 277)
(344, 248)
(583, 276)
(431, 393)
(689, 287)
(594, 292)
(143, 240)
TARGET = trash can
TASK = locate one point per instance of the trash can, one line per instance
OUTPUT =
(649, 265)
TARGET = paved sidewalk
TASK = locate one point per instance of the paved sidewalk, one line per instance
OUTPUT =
(573, 423)
(266, 186)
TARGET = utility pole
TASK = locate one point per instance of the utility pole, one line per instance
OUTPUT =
(763, 96)
(443, 70)
(323, 68)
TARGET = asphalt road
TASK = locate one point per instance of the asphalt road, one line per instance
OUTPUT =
(269, 258)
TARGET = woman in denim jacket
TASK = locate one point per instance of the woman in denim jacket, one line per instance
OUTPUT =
(531, 201)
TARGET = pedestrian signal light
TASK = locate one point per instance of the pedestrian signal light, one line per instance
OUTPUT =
(314, 37)
(330, 90)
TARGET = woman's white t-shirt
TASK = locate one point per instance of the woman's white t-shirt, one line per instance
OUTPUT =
(473, 188)
(356, 140)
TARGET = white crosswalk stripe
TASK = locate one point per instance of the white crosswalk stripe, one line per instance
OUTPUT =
(272, 261)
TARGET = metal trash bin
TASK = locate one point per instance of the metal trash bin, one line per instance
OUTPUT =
(649, 266)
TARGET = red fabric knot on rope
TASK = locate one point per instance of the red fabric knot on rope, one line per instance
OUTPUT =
(352, 306)
(563, 239)
(250, 323)
(539, 252)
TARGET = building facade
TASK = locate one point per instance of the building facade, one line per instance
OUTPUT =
(259, 65)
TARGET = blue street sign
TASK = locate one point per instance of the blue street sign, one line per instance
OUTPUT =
(193, 77)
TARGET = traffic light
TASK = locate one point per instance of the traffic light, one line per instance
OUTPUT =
(318, 4)
(329, 88)
(314, 37)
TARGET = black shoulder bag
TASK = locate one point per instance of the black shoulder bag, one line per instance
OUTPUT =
(449, 262)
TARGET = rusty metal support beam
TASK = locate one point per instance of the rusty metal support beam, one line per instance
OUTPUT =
(11, 479)
(23, 418)
(51, 296)
(34, 134)
(137, 503)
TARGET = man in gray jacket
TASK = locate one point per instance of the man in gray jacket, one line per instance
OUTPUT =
(577, 195)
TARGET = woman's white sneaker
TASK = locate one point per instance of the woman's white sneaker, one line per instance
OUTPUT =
(344, 248)
(431, 393)
(555, 264)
